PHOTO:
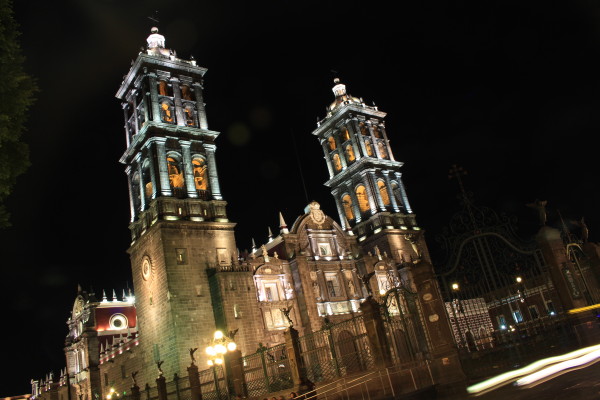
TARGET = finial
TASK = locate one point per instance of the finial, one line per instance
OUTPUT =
(114, 298)
(282, 225)
(253, 245)
(270, 234)
(104, 299)
(124, 296)
(265, 253)
(336, 80)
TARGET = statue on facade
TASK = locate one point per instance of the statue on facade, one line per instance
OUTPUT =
(192, 351)
(158, 365)
(316, 290)
(134, 381)
(286, 313)
(366, 279)
(540, 207)
(351, 288)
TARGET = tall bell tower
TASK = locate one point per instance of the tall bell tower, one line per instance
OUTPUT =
(179, 224)
(365, 179)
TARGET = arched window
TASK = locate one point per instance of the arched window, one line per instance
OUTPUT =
(166, 112)
(363, 199)
(344, 134)
(347, 204)
(369, 148)
(148, 189)
(382, 150)
(363, 129)
(337, 164)
(331, 143)
(186, 92)
(383, 192)
(190, 115)
(350, 153)
(135, 188)
(376, 131)
(175, 173)
(200, 174)
(163, 88)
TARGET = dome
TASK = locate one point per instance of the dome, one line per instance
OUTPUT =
(341, 96)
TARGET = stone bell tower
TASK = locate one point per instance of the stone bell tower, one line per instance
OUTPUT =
(366, 183)
(179, 224)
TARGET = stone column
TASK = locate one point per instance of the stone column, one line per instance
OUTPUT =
(154, 97)
(405, 202)
(200, 105)
(194, 378)
(340, 207)
(361, 139)
(390, 190)
(188, 168)
(376, 333)
(387, 143)
(138, 160)
(177, 102)
(236, 378)
(327, 158)
(297, 368)
(374, 141)
(136, 117)
(161, 388)
(213, 178)
(378, 197)
(370, 195)
(354, 138)
(163, 168)
(125, 105)
(340, 151)
(151, 166)
(131, 201)
(355, 206)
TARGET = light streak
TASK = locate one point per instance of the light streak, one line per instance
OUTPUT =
(582, 309)
(507, 377)
(552, 371)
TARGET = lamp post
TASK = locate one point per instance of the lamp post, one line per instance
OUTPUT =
(112, 394)
(220, 345)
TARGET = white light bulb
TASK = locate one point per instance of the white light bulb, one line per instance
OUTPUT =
(218, 335)
(231, 346)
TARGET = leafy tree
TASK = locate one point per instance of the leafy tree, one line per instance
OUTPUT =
(16, 96)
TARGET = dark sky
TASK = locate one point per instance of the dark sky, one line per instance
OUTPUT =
(509, 90)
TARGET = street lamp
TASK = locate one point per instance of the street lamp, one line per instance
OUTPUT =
(455, 286)
(112, 393)
(519, 279)
(220, 345)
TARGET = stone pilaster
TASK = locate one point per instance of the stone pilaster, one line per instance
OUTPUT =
(154, 97)
(177, 102)
(163, 168)
(200, 105)
(213, 177)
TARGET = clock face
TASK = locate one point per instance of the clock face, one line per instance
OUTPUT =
(146, 269)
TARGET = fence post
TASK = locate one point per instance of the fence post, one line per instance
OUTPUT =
(147, 389)
(161, 386)
(135, 392)
(297, 369)
(375, 331)
(176, 380)
(194, 379)
(236, 378)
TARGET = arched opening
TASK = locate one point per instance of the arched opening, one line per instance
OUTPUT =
(383, 192)
(350, 153)
(148, 189)
(347, 204)
(363, 129)
(186, 92)
(200, 174)
(382, 150)
(337, 163)
(176, 179)
(344, 134)
(166, 112)
(363, 199)
(164, 89)
(190, 115)
(377, 131)
(369, 148)
(348, 351)
(331, 143)
(135, 191)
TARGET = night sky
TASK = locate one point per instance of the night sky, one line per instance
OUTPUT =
(509, 91)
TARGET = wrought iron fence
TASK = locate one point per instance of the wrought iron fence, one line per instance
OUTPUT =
(267, 370)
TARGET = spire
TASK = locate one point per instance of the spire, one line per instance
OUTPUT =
(270, 234)
(104, 299)
(253, 245)
(124, 296)
(114, 297)
(282, 225)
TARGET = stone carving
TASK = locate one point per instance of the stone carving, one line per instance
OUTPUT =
(286, 313)
(351, 288)
(133, 375)
(366, 279)
(158, 365)
(316, 215)
(316, 290)
(540, 207)
(414, 243)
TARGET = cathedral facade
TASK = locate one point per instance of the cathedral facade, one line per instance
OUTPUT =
(189, 278)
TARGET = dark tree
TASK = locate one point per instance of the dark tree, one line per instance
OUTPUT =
(16, 96)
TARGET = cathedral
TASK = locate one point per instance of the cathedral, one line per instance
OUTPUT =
(189, 278)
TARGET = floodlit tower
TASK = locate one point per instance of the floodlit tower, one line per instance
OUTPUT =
(179, 224)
